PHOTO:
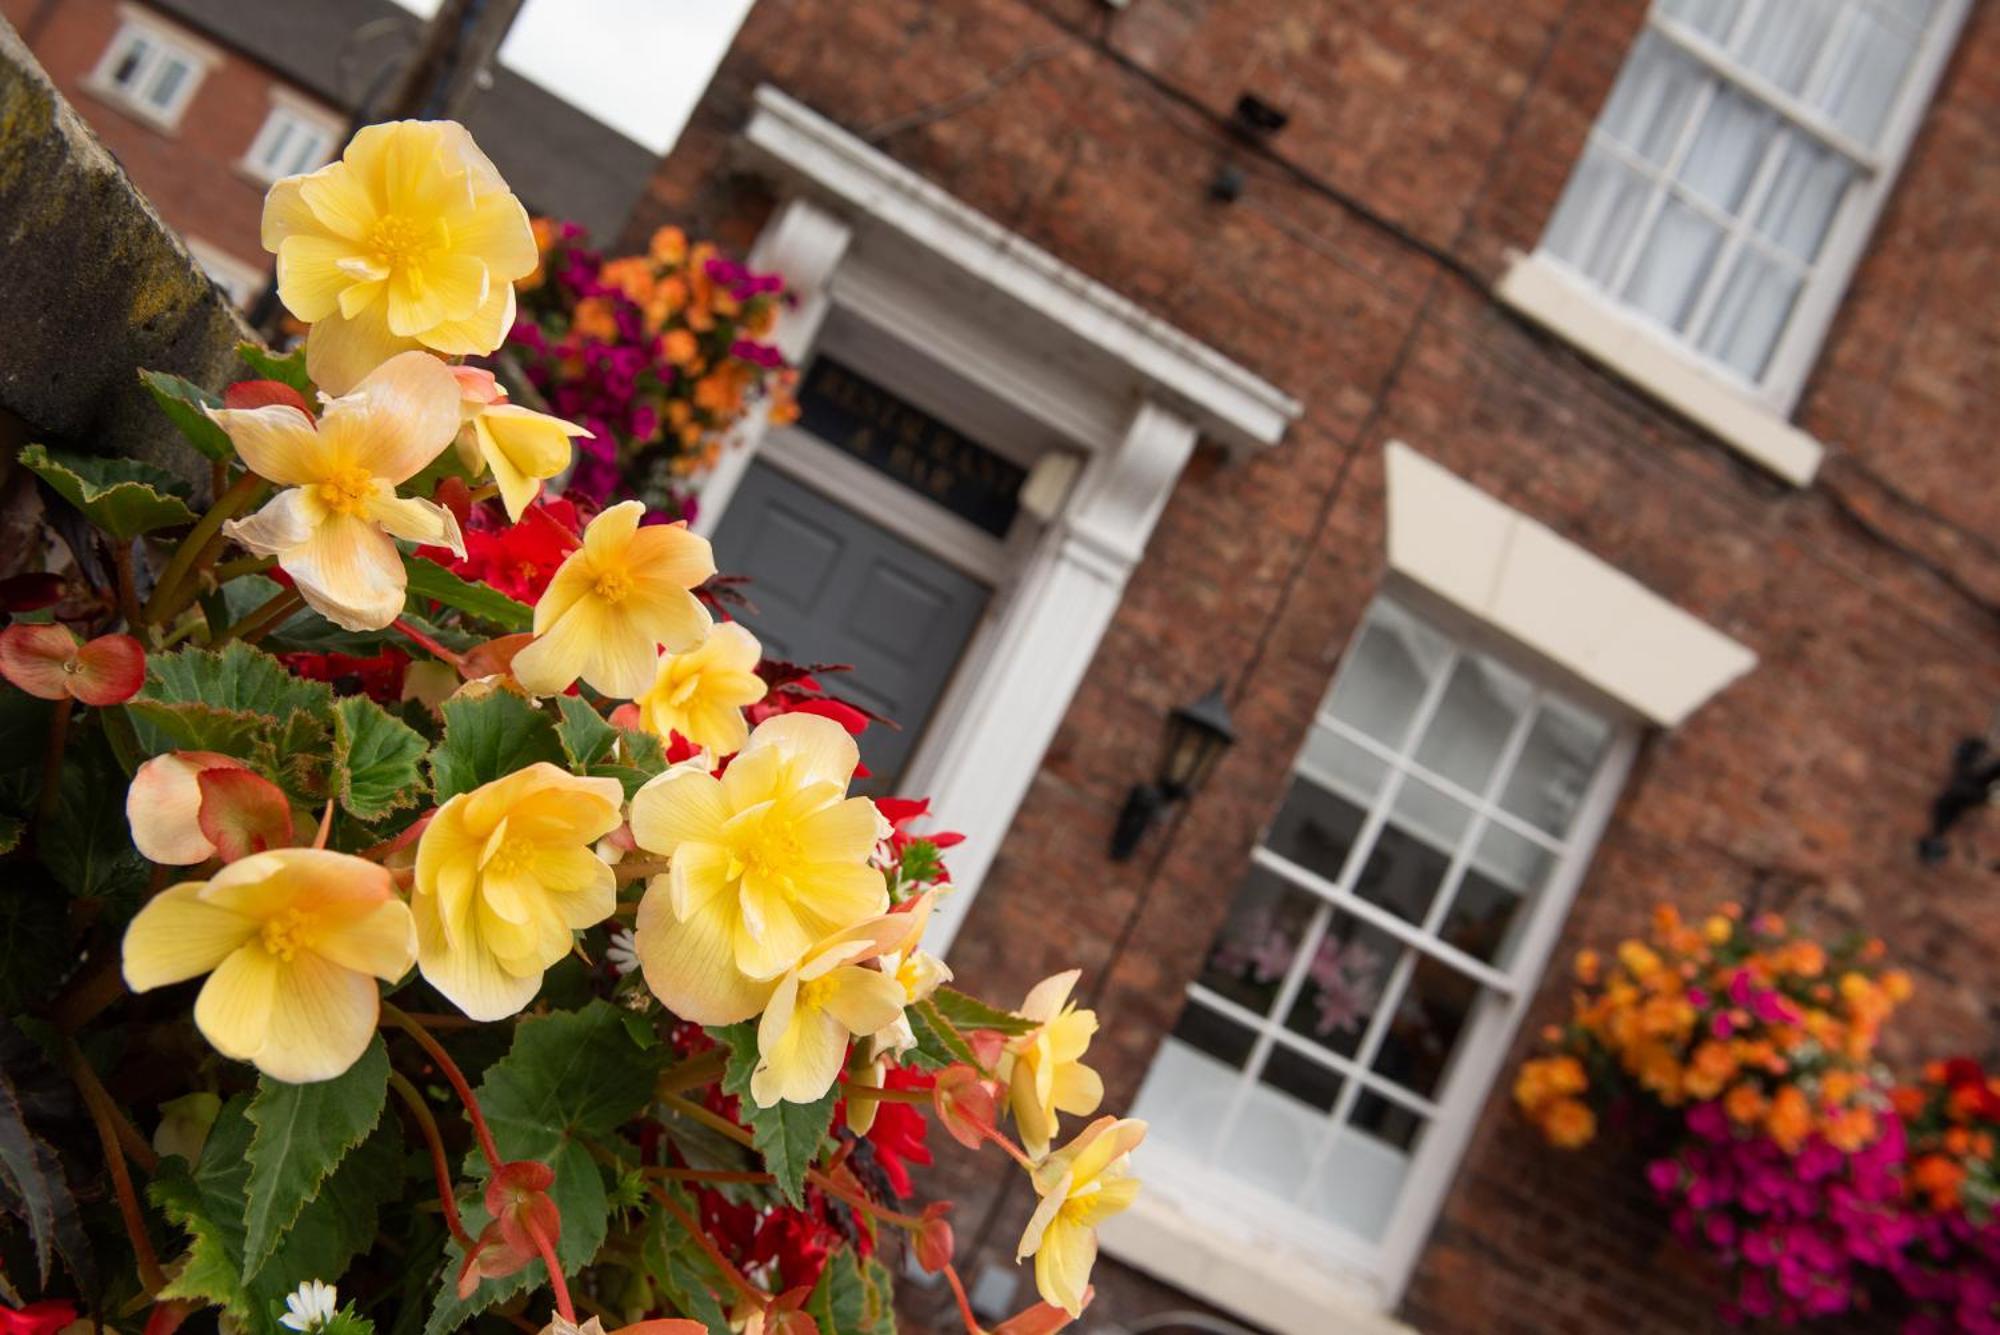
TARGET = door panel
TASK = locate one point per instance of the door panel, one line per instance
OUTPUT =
(832, 587)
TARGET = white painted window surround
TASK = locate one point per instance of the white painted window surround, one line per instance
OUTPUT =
(1099, 400)
(1348, 1024)
(1725, 196)
(152, 67)
(296, 136)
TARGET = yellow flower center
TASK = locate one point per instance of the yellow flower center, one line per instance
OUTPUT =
(287, 933)
(513, 856)
(347, 491)
(814, 993)
(770, 852)
(612, 586)
(396, 242)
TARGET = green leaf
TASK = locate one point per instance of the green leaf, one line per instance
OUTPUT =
(487, 738)
(428, 579)
(938, 1044)
(788, 1135)
(839, 1300)
(376, 759)
(289, 369)
(11, 829)
(598, 749)
(964, 1012)
(34, 939)
(37, 1189)
(686, 1277)
(188, 726)
(208, 1203)
(237, 677)
(88, 844)
(123, 497)
(302, 1134)
(570, 1076)
(183, 402)
(878, 1309)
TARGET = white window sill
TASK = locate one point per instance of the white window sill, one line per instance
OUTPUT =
(1271, 1288)
(119, 100)
(1538, 290)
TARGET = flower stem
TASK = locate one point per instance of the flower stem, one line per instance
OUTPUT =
(431, 646)
(128, 592)
(168, 595)
(51, 795)
(456, 1077)
(556, 1281)
(708, 1175)
(881, 1095)
(972, 1326)
(265, 617)
(692, 1073)
(713, 1121)
(427, 1124)
(694, 1230)
(640, 869)
(104, 1114)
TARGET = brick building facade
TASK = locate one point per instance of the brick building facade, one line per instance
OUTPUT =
(1358, 271)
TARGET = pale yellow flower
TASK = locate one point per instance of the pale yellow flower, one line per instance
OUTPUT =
(613, 604)
(767, 862)
(505, 874)
(820, 1003)
(410, 240)
(701, 694)
(331, 527)
(1081, 1185)
(293, 941)
(917, 973)
(521, 448)
(1044, 1067)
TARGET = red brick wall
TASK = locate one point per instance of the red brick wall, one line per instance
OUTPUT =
(189, 172)
(1425, 141)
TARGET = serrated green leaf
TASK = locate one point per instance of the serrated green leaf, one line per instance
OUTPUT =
(686, 1277)
(878, 1311)
(187, 726)
(839, 1300)
(487, 738)
(965, 1012)
(302, 1132)
(428, 579)
(208, 1203)
(288, 368)
(376, 759)
(236, 677)
(183, 402)
(123, 497)
(789, 1136)
(598, 749)
(938, 1044)
(570, 1075)
(88, 844)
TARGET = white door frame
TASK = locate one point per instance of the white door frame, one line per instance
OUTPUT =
(1100, 379)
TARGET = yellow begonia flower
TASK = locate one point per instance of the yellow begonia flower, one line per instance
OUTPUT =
(916, 971)
(293, 941)
(767, 862)
(701, 694)
(410, 240)
(1044, 1067)
(521, 448)
(818, 1005)
(505, 873)
(613, 604)
(331, 526)
(1081, 1185)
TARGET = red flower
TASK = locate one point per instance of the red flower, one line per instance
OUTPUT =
(798, 1240)
(897, 1137)
(519, 559)
(46, 661)
(524, 1221)
(43, 1318)
(380, 677)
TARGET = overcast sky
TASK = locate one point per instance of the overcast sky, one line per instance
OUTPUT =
(637, 65)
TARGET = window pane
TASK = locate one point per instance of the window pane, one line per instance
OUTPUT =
(1343, 984)
(1755, 304)
(1784, 39)
(1413, 851)
(1712, 18)
(1386, 673)
(274, 150)
(1487, 913)
(1734, 133)
(1649, 107)
(1548, 781)
(1423, 1032)
(1870, 58)
(1811, 181)
(1257, 943)
(167, 83)
(127, 68)
(1334, 762)
(1188, 1091)
(1599, 211)
(311, 153)
(1673, 264)
(1362, 1179)
(1315, 829)
(1473, 721)
(1282, 1121)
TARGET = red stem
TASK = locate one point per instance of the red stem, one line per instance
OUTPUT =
(428, 1125)
(104, 1113)
(451, 1073)
(548, 1251)
(707, 1244)
(436, 650)
(972, 1326)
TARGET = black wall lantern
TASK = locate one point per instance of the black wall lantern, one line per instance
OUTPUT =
(1197, 735)
(1974, 782)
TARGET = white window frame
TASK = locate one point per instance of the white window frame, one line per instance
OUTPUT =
(165, 39)
(1310, 1264)
(1549, 290)
(289, 111)
(242, 281)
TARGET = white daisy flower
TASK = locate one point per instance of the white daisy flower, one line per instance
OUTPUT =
(620, 953)
(311, 1307)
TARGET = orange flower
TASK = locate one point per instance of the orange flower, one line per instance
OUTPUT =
(1588, 967)
(1568, 1124)
(680, 347)
(1712, 1067)
(1939, 1179)
(594, 319)
(669, 246)
(632, 276)
(1745, 1104)
(1790, 1119)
